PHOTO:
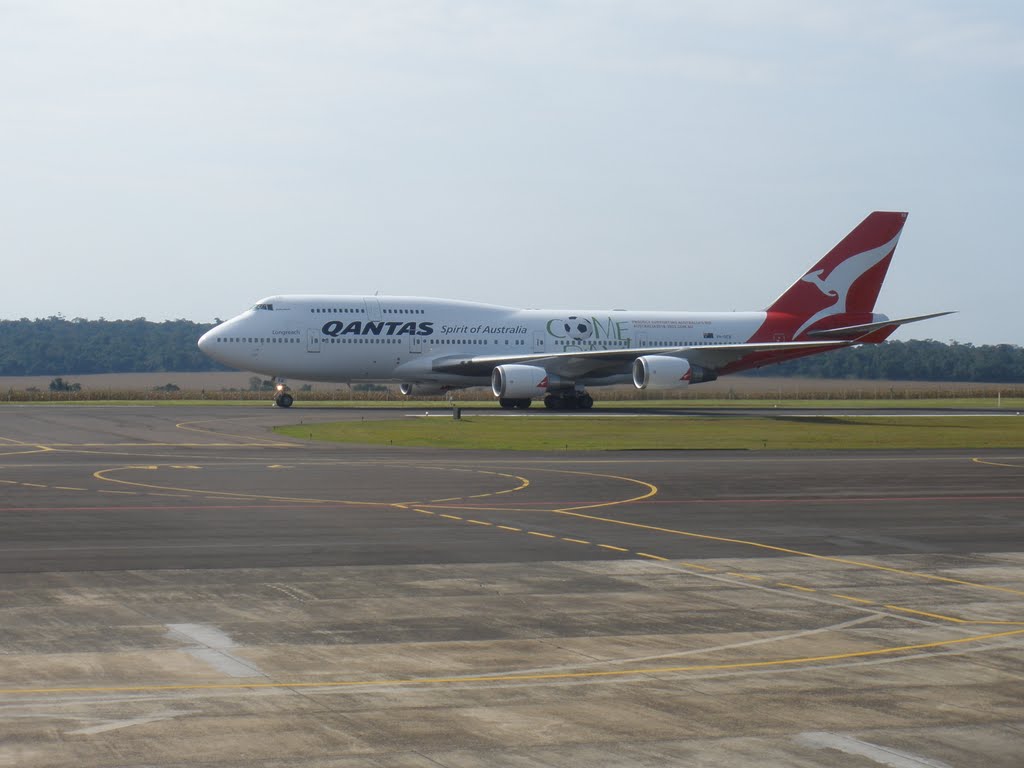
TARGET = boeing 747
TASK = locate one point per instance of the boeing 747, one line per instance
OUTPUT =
(430, 346)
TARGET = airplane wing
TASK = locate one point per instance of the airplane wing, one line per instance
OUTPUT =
(612, 361)
(863, 330)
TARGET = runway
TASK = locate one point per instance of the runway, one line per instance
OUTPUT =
(180, 586)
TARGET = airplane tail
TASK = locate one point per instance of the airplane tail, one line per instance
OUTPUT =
(841, 289)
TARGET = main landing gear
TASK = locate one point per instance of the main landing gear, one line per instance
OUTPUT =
(568, 400)
(281, 397)
(513, 402)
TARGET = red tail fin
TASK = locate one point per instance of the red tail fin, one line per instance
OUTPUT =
(845, 282)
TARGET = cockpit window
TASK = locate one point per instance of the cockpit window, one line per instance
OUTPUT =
(264, 306)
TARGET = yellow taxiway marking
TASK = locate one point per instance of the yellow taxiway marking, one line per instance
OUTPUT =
(786, 550)
(609, 546)
(452, 517)
(513, 677)
(509, 528)
(575, 541)
(477, 522)
(651, 489)
(651, 557)
(924, 613)
(34, 485)
(852, 599)
(997, 464)
(794, 586)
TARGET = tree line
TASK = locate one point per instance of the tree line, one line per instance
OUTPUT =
(911, 361)
(55, 345)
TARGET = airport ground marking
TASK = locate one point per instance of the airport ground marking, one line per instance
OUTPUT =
(989, 463)
(651, 490)
(102, 475)
(744, 576)
(785, 550)
(514, 677)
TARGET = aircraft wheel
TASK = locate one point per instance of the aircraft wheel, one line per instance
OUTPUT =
(284, 400)
(585, 401)
(507, 403)
(550, 401)
(524, 403)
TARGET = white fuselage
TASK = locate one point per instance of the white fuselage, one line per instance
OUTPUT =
(399, 338)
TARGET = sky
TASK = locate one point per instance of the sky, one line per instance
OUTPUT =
(184, 159)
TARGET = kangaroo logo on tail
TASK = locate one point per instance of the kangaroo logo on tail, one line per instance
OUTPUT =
(841, 279)
(846, 280)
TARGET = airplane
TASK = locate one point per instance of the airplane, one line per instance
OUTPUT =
(432, 346)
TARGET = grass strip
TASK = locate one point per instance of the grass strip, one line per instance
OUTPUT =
(782, 432)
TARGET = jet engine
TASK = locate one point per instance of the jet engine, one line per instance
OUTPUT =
(422, 388)
(521, 382)
(665, 372)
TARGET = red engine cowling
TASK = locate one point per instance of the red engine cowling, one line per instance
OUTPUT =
(519, 382)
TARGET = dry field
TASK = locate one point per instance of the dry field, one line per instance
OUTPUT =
(235, 385)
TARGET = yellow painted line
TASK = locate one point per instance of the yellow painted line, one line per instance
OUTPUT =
(424, 511)
(34, 485)
(750, 576)
(9, 482)
(575, 541)
(543, 535)
(996, 464)
(453, 498)
(477, 522)
(522, 677)
(694, 565)
(794, 586)
(509, 528)
(127, 493)
(67, 488)
(651, 489)
(924, 613)
(480, 495)
(785, 550)
(452, 517)
(652, 557)
(852, 599)
(617, 549)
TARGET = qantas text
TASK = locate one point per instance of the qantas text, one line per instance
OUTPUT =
(377, 328)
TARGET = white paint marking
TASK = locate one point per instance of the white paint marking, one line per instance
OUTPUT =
(212, 649)
(113, 725)
(893, 758)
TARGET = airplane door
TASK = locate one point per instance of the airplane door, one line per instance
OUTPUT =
(415, 344)
(313, 340)
(372, 308)
(538, 341)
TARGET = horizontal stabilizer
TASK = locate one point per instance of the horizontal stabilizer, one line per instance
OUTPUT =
(860, 330)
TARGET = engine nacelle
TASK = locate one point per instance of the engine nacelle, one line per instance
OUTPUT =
(519, 382)
(422, 388)
(665, 372)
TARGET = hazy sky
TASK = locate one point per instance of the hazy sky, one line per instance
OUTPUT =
(184, 159)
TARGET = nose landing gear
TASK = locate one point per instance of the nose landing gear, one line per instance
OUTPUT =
(281, 397)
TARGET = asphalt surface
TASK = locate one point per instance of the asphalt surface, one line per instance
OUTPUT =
(180, 586)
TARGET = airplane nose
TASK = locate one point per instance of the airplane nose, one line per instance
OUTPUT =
(207, 340)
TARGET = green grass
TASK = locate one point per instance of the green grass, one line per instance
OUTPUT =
(963, 403)
(780, 432)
